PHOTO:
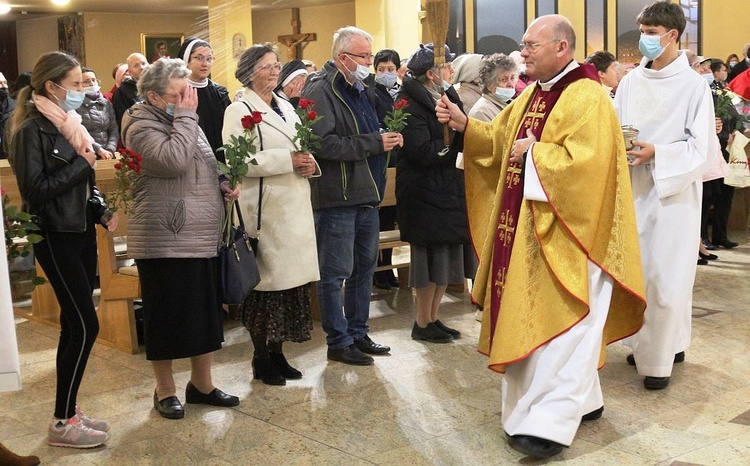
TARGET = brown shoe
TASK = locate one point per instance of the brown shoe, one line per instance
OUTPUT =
(11, 459)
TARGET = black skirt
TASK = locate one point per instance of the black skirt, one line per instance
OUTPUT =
(182, 315)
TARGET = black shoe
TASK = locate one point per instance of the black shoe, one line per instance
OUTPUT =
(393, 281)
(350, 355)
(383, 285)
(450, 331)
(725, 243)
(708, 257)
(366, 345)
(593, 415)
(708, 245)
(170, 407)
(702, 262)
(678, 358)
(267, 372)
(534, 446)
(215, 398)
(282, 365)
(655, 383)
(431, 333)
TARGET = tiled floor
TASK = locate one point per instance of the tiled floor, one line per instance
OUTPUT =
(423, 404)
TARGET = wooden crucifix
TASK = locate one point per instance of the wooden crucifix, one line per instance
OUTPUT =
(294, 42)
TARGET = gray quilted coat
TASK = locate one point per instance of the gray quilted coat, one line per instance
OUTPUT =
(177, 206)
(98, 117)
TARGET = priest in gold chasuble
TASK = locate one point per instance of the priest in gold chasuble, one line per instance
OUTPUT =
(551, 210)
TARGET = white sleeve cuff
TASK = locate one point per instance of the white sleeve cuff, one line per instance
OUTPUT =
(532, 187)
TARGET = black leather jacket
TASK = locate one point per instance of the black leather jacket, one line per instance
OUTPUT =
(56, 184)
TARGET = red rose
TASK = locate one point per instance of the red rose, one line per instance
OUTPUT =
(138, 157)
(118, 166)
(401, 103)
(2, 192)
(257, 117)
(311, 115)
(303, 103)
(310, 103)
(247, 122)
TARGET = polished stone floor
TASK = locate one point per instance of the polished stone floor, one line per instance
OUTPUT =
(423, 404)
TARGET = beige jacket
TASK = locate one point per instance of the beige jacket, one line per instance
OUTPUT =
(177, 206)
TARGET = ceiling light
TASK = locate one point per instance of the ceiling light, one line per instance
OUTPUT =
(60, 2)
(4, 8)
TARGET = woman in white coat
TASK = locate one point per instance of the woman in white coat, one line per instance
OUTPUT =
(279, 308)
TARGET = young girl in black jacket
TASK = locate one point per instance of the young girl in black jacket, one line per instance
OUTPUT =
(53, 160)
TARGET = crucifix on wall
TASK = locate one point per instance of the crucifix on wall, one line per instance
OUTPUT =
(295, 41)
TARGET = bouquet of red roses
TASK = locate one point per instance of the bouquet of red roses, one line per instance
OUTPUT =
(238, 153)
(307, 140)
(126, 171)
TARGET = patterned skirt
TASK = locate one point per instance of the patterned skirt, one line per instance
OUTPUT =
(279, 315)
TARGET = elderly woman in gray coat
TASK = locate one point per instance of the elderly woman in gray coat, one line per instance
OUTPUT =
(174, 230)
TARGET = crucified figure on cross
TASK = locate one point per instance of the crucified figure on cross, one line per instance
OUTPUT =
(291, 42)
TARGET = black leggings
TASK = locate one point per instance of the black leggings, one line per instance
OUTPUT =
(69, 260)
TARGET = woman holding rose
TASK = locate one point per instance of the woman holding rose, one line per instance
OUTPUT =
(278, 310)
(174, 231)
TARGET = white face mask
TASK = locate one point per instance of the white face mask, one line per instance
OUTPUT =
(732, 63)
(92, 90)
(386, 79)
(361, 73)
(504, 93)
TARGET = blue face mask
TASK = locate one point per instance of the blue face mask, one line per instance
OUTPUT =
(708, 77)
(386, 79)
(73, 99)
(504, 94)
(650, 46)
(446, 85)
(170, 109)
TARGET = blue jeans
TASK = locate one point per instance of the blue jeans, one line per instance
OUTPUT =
(347, 251)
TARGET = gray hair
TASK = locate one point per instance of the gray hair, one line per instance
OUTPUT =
(248, 60)
(492, 65)
(343, 37)
(156, 77)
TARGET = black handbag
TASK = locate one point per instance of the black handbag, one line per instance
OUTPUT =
(238, 269)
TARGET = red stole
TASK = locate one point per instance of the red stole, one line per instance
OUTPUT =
(539, 109)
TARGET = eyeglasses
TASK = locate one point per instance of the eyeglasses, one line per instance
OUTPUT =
(276, 66)
(203, 59)
(363, 56)
(534, 46)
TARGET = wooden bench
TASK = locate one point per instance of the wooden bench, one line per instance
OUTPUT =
(119, 286)
(391, 239)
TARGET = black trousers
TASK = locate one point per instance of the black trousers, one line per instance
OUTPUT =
(720, 195)
(69, 260)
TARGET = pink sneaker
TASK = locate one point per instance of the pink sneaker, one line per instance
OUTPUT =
(91, 423)
(74, 434)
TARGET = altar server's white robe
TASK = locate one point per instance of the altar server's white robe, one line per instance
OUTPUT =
(673, 110)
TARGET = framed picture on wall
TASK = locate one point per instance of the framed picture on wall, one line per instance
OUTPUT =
(70, 36)
(156, 46)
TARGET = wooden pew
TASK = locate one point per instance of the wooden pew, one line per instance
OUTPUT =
(392, 238)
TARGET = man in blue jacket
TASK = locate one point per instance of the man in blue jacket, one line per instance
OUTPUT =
(345, 197)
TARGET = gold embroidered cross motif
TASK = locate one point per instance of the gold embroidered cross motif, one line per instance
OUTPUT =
(500, 280)
(506, 227)
(513, 176)
(536, 114)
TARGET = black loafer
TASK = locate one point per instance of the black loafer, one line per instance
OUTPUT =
(450, 331)
(169, 407)
(534, 446)
(593, 415)
(655, 383)
(431, 334)
(725, 243)
(367, 346)
(350, 355)
(708, 257)
(215, 398)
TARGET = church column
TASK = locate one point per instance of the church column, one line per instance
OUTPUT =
(393, 24)
(230, 28)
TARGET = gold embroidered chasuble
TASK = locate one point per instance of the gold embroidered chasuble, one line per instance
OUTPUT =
(581, 163)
